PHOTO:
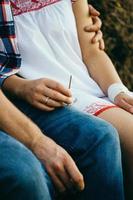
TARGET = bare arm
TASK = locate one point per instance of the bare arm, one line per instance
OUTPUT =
(52, 155)
(98, 63)
(16, 123)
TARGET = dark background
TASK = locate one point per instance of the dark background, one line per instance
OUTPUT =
(117, 18)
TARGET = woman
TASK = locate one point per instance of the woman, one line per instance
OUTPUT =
(52, 50)
(102, 71)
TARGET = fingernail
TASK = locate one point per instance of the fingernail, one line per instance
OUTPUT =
(98, 13)
(82, 186)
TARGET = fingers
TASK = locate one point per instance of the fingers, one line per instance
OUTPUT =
(47, 94)
(75, 175)
(64, 178)
(102, 44)
(50, 102)
(93, 11)
(58, 87)
(125, 102)
(43, 107)
(97, 23)
(97, 37)
(126, 106)
(130, 100)
(96, 26)
(129, 104)
(50, 105)
(57, 182)
(56, 96)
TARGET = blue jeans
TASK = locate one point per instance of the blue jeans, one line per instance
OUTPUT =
(22, 176)
(92, 143)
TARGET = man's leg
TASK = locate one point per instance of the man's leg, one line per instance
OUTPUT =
(21, 174)
(93, 144)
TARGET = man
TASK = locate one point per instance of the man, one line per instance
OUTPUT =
(27, 170)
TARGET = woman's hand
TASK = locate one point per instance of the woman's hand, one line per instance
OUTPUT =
(45, 94)
(125, 101)
(60, 166)
(97, 24)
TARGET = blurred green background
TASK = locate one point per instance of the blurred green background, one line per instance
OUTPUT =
(117, 18)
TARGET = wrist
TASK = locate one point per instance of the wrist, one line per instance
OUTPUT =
(41, 142)
(35, 141)
(115, 89)
(15, 85)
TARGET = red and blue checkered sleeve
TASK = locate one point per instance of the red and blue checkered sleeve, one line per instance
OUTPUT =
(10, 59)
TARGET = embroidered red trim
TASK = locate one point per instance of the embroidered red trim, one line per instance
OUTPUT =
(98, 107)
(22, 6)
(102, 110)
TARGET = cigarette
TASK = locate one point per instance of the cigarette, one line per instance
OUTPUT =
(70, 82)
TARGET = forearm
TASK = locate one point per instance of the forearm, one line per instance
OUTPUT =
(17, 124)
(101, 69)
(15, 85)
(98, 63)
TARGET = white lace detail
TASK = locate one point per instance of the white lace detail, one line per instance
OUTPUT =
(97, 107)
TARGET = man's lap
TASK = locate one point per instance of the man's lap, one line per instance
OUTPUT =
(85, 137)
(70, 128)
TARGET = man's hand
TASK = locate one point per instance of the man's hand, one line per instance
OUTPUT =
(95, 27)
(45, 94)
(58, 163)
(125, 101)
(60, 166)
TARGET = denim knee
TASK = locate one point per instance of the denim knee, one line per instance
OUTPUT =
(103, 140)
(98, 156)
(109, 135)
(109, 147)
(85, 133)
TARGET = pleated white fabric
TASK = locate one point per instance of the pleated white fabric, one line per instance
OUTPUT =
(48, 43)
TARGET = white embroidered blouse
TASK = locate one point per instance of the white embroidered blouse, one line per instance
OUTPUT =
(48, 42)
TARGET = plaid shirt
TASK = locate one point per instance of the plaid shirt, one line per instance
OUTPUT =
(10, 59)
